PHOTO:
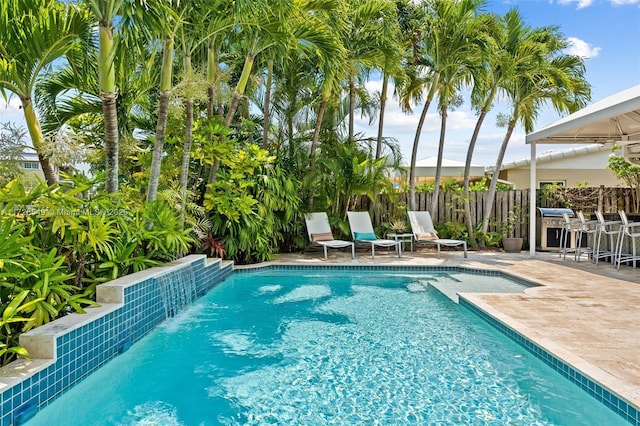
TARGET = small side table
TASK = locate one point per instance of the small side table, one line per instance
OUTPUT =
(403, 238)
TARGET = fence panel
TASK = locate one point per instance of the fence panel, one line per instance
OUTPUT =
(451, 206)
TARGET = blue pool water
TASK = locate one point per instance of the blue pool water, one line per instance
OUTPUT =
(326, 347)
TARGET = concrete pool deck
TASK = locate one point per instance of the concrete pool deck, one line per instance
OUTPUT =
(586, 315)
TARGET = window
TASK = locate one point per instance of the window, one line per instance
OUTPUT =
(543, 183)
(31, 165)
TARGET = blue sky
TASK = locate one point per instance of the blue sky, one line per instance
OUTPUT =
(606, 32)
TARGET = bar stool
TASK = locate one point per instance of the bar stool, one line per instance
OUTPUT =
(627, 230)
(608, 228)
(585, 228)
(569, 226)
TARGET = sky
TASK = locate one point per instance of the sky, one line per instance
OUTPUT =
(605, 32)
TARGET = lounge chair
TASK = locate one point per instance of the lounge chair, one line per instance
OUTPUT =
(320, 233)
(424, 232)
(362, 232)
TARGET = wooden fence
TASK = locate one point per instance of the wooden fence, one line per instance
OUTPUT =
(451, 205)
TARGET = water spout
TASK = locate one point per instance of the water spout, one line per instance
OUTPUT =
(178, 290)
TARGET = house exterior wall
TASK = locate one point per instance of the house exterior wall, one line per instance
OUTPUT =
(520, 177)
(588, 166)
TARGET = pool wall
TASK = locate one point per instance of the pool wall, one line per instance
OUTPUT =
(65, 351)
(593, 388)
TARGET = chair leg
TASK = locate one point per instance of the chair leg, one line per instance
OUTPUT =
(325, 252)
(618, 252)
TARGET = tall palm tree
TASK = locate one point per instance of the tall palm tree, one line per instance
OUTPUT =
(548, 77)
(391, 68)
(504, 36)
(126, 14)
(105, 12)
(170, 26)
(365, 41)
(444, 46)
(462, 28)
(35, 34)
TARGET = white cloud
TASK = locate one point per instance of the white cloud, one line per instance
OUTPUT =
(624, 2)
(581, 48)
(581, 4)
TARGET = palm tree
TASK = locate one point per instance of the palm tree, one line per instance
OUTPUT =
(126, 13)
(462, 29)
(169, 28)
(105, 12)
(365, 42)
(35, 34)
(69, 98)
(391, 69)
(447, 37)
(548, 76)
(504, 36)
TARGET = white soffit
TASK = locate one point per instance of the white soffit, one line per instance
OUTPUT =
(612, 119)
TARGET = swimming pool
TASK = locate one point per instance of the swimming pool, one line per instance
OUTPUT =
(326, 347)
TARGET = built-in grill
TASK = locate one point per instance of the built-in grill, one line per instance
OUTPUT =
(549, 224)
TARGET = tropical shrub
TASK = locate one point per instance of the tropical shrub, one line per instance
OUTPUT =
(57, 244)
(253, 203)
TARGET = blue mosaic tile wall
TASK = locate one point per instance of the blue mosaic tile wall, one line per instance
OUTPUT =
(85, 349)
(605, 396)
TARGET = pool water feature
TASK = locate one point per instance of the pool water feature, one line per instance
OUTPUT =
(178, 290)
(326, 347)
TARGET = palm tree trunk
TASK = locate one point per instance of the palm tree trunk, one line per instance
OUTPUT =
(352, 104)
(494, 179)
(316, 131)
(212, 77)
(37, 139)
(416, 141)
(240, 88)
(467, 172)
(161, 125)
(233, 107)
(436, 183)
(188, 135)
(383, 103)
(267, 104)
(109, 96)
(111, 140)
(186, 151)
(414, 155)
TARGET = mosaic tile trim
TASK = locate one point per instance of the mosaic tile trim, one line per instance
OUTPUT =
(83, 349)
(387, 268)
(599, 392)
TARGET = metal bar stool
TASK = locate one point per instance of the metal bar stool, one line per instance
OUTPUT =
(569, 226)
(585, 228)
(609, 229)
(627, 230)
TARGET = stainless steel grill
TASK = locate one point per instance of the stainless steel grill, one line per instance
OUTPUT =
(549, 224)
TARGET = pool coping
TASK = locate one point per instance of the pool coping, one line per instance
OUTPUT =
(604, 387)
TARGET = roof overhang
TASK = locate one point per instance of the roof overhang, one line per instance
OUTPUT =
(610, 120)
